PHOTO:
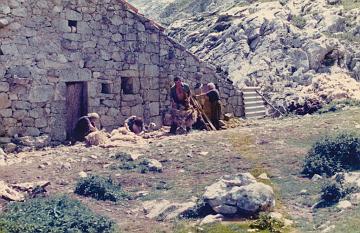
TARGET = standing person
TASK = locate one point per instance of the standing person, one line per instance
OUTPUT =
(84, 126)
(215, 104)
(180, 101)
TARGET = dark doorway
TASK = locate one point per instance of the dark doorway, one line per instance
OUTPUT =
(76, 104)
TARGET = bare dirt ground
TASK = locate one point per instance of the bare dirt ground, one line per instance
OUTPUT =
(274, 146)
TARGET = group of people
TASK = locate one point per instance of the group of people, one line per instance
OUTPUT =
(180, 95)
(184, 114)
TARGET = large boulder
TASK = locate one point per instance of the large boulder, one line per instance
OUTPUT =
(240, 194)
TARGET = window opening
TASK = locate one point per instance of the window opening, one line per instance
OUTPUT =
(73, 25)
(127, 85)
(105, 88)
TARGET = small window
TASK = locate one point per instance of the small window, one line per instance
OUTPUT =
(105, 88)
(1, 52)
(127, 85)
(73, 25)
(171, 54)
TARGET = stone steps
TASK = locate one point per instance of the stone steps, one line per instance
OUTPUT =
(253, 103)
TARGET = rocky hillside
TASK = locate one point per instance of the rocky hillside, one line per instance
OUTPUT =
(294, 50)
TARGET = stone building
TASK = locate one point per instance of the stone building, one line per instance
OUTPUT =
(60, 59)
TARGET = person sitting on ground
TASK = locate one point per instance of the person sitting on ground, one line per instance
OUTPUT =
(215, 104)
(135, 124)
(84, 126)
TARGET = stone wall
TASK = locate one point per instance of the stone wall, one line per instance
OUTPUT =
(126, 60)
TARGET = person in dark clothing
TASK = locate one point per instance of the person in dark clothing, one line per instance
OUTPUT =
(215, 104)
(180, 101)
(84, 126)
(134, 124)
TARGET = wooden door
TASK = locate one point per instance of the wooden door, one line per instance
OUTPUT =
(76, 104)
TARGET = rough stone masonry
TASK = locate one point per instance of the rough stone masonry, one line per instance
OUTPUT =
(123, 61)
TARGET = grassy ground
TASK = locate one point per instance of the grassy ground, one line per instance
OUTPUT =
(193, 162)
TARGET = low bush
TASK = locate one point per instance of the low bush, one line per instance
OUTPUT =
(266, 222)
(333, 154)
(53, 215)
(332, 192)
(101, 189)
(335, 190)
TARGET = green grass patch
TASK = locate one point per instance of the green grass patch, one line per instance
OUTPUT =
(338, 105)
(100, 188)
(53, 215)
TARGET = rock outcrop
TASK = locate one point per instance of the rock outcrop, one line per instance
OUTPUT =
(240, 194)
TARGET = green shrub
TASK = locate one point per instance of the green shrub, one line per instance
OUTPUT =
(298, 21)
(101, 189)
(53, 215)
(265, 222)
(332, 192)
(333, 154)
(127, 163)
(335, 190)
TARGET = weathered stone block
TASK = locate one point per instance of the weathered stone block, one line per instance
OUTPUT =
(73, 75)
(28, 122)
(20, 12)
(137, 110)
(151, 71)
(116, 37)
(107, 121)
(21, 105)
(6, 112)
(4, 87)
(31, 131)
(154, 108)
(4, 9)
(117, 20)
(43, 93)
(5, 102)
(40, 123)
(72, 15)
(20, 114)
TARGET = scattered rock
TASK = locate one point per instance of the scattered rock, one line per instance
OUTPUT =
(303, 192)
(239, 194)
(29, 186)
(10, 194)
(82, 174)
(66, 165)
(211, 219)
(316, 177)
(165, 210)
(344, 204)
(350, 178)
(37, 142)
(328, 229)
(333, 2)
(204, 153)
(153, 165)
(228, 116)
(10, 148)
(2, 157)
(263, 176)
(355, 198)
